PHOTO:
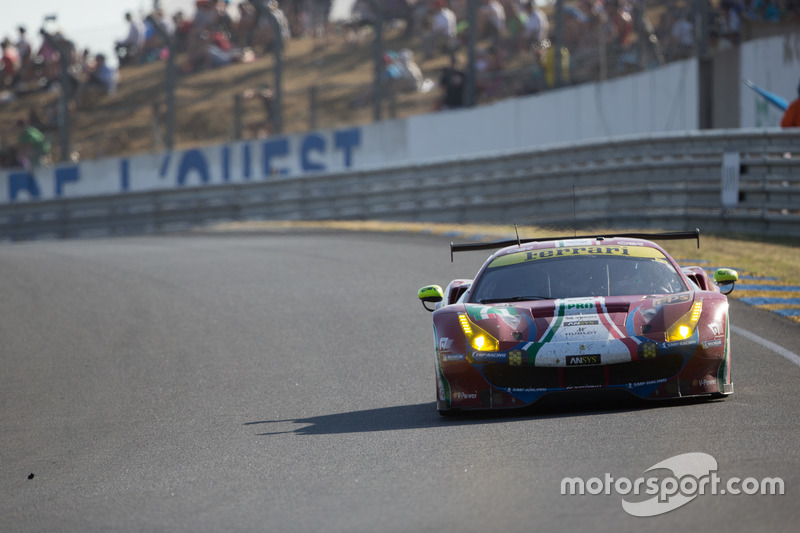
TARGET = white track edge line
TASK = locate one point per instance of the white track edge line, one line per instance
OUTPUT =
(780, 350)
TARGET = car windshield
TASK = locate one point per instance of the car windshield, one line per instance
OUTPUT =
(566, 273)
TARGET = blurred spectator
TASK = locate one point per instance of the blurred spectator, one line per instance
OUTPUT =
(491, 23)
(183, 28)
(682, 37)
(763, 10)
(206, 15)
(577, 26)
(536, 25)
(319, 11)
(442, 32)
(730, 22)
(549, 62)
(400, 74)
(87, 63)
(25, 51)
(264, 35)
(791, 118)
(32, 146)
(453, 82)
(410, 76)
(361, 18)
(11, 63)
(489, 69)
(516, 19)
(128, 48)
(207, 50)
(48, 58)
(620, 37)
(154, 47)
(225, 22)
(583, 33)
(647, 44)
(101, 81)
(248, 17)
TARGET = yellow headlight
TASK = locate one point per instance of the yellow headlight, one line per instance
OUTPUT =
(685, 325)
(477, 337)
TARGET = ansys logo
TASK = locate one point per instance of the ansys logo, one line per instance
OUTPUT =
(693, 475)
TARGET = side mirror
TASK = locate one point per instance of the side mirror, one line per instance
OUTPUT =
(430, 294)
(726, 278)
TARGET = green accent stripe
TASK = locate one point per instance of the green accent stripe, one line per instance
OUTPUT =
(723, 367)
(533, 351)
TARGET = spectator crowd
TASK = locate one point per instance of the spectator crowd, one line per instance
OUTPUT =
(600, 38)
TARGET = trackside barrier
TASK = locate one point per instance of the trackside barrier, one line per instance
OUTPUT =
(671, 180)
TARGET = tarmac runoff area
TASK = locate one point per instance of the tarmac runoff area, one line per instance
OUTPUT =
(767, 293)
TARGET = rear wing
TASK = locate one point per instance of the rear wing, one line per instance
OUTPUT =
(668, 236)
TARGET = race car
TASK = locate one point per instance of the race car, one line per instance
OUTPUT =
(586, 312)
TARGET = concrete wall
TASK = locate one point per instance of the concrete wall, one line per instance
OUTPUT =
(773, 64)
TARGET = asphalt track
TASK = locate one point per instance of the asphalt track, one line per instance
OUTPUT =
(284, 382)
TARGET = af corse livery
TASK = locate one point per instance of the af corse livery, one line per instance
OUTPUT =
(589, 312)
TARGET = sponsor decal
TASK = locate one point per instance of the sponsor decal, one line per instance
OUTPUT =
(588, 249)
(581, 332)
(675, 298)
(678, 344)
(580, 321)
(445, 344)
(508, 315)
(575, 242)
(465, 395)
(488, 357)
(712, 344)
(453, 357)
(580, 360)
(643, 383)
(704, 382)
(648, 350)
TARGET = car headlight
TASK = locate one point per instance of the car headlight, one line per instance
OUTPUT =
(684, 327)
(477, 337)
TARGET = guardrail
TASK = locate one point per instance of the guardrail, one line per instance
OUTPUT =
(662, 180)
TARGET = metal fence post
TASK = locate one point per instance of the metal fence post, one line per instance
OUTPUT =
(63, 97)
(155, 122)
(559, 43)
(277, 103)
(377, 92)
(170, 80)
(392, 100)
(472, 39)
(237, 117)
(312, 107)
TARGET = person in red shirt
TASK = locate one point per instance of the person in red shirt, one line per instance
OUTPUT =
(791, 118)
(10, 64)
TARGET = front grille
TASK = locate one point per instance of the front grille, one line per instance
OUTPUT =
(531, 377)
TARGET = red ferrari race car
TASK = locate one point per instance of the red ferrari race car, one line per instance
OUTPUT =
(587, 312)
